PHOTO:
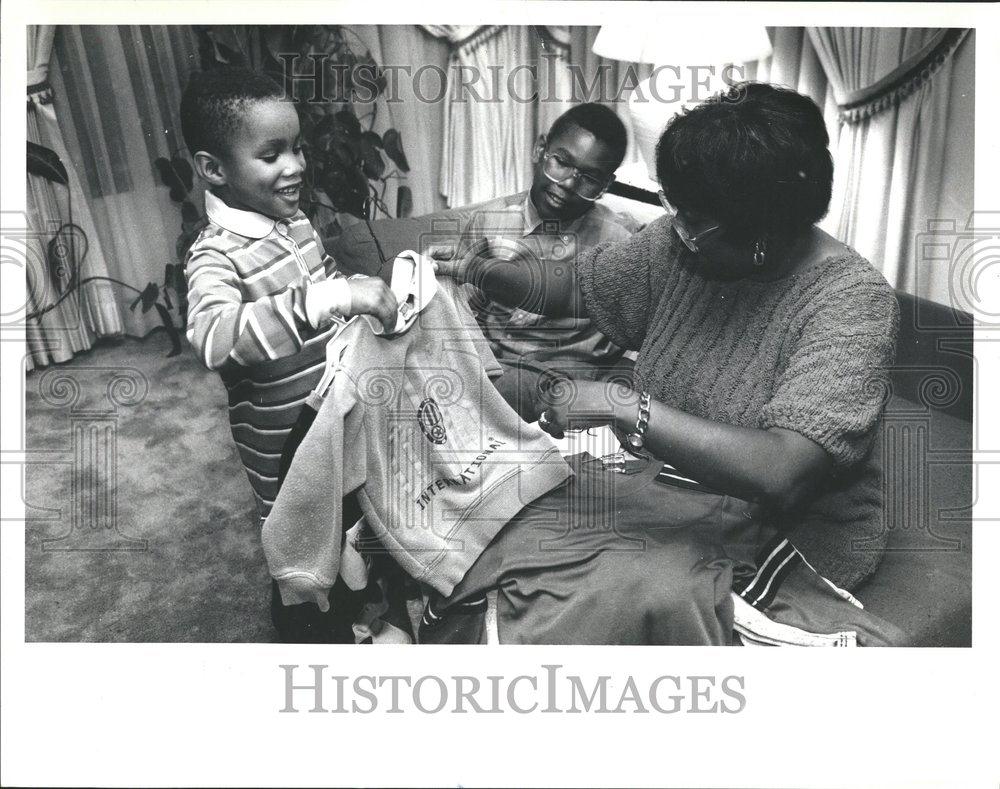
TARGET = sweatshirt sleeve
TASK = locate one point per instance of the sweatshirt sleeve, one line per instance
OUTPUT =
(835, 386)
(302, 534)
(616, 281)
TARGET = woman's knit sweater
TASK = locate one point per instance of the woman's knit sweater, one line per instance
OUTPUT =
(808, 352)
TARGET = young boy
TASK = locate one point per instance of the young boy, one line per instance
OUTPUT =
(263, 295)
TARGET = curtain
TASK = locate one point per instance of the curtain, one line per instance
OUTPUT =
(117, 94)
(487, 144)
(67, 325)
(419, 122)
(555, 79)
(904, 153)
(608, 77)
(795, 64)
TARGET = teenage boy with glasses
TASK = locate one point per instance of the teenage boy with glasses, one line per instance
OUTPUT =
(557, 218)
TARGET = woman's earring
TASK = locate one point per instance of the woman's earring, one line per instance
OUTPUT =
(759, 252)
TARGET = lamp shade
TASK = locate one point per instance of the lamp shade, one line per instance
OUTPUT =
(655, 38)
(697, 54)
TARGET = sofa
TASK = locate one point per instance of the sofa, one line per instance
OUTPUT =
(923, 583)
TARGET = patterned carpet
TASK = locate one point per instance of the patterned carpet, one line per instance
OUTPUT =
(140, 518)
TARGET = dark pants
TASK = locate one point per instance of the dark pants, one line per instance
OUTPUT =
(304, 623)
(606, 559)
(611, 558)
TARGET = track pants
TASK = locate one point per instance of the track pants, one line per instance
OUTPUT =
(610, 558)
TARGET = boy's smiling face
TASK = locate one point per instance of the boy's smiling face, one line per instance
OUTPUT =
(263, 164)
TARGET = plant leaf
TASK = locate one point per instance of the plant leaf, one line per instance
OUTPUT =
(357, 150)
(392, 141)
(226, 55)
(45, 163)
(168, 324)
(347, 188)
(232, 43)
(189, 212)
(349, 122)
(173, 278)
(163, 168)
(149, 295)
(277, 39)
(372, 162)
(183, 171)
(206, 47)
(171, 178)
(404, 202)
(341, 155)
(186, 239)
(325, 124)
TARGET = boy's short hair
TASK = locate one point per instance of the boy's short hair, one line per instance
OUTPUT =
(603, 122)
(214, 101)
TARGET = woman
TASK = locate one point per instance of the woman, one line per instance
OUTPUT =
(762, 341)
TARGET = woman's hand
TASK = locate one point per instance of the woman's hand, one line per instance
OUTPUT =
(777, 467)
(567, 404)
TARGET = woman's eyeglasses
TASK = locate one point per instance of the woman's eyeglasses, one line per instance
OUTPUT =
(585, 185)
(689, 239)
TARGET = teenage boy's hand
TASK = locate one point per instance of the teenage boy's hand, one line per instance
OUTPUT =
(371, 296)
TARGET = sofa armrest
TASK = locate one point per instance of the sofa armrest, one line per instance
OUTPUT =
(934, 363)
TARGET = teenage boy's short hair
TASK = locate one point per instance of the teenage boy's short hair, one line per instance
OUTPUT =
(214, 101)
(600, 121)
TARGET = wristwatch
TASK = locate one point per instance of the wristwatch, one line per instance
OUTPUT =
(637, 438)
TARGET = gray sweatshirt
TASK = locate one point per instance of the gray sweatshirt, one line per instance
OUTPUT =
(440, 462)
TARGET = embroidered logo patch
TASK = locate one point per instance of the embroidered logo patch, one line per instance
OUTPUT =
(429, 419)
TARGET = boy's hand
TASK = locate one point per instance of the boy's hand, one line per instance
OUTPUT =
(371, 296)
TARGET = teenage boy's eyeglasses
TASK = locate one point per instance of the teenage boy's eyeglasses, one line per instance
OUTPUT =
(689, 239)
(585, 185)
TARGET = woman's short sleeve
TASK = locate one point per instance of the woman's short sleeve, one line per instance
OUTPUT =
(617, 286)
(835, 385)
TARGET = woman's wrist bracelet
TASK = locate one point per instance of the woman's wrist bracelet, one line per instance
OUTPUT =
(637, 438)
